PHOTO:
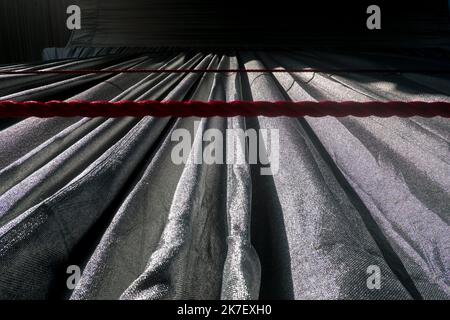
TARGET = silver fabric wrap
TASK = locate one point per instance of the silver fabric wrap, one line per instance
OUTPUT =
(105, 195)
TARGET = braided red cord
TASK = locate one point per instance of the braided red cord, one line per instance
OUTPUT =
(15, 109)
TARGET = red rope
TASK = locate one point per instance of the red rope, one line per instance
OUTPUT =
(301, 70)
(15, 109)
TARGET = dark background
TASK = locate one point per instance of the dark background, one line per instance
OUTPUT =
(28, 26)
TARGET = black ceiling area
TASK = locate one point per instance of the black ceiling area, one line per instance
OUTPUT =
(29, 26)
(206, 23)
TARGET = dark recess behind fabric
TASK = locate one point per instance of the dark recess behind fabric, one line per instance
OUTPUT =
(29, 26)
(255, 23)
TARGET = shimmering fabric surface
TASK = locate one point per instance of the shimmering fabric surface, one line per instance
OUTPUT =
(104, 194)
